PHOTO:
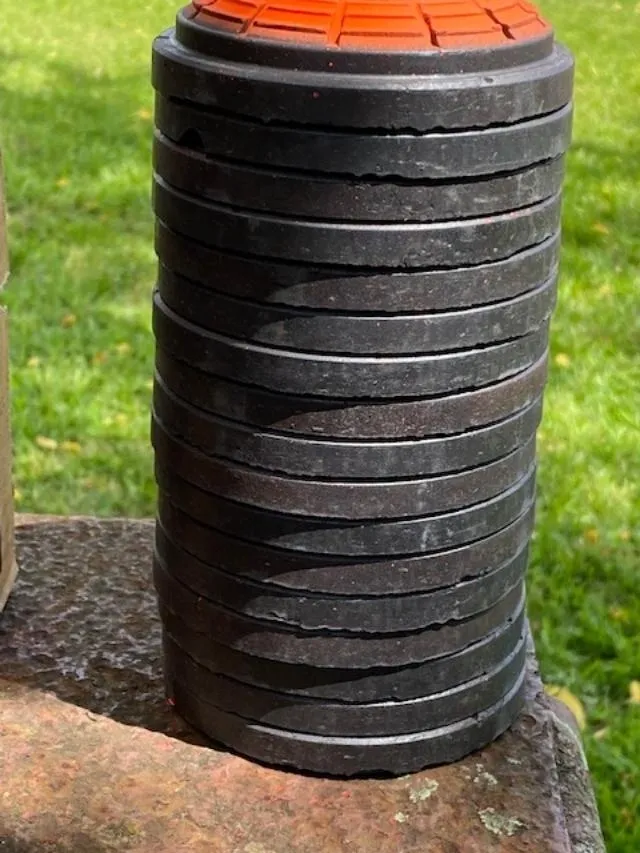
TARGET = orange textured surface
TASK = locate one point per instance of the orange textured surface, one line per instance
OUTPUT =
(379, 24)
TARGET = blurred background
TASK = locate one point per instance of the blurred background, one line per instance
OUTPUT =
(76, 115)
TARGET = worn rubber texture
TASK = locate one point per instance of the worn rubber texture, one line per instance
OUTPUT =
(323, 575)
(330, 332)
(288, 45)
(319, 375)
(338, 719)
(354, 685)
(354, 290)
(342, 537)
(333, 756)
(341, 460)
(328, 649)
(390, 101)
(380, 615)
(340, 499)
(321, 197)
(437, 155)
(399, 244)
(317, 418)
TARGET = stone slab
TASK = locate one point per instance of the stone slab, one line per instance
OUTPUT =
(94, 760)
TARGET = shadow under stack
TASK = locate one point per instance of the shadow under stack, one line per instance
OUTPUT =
(358, 214)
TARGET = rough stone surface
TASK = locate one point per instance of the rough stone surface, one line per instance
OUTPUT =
(92, 759)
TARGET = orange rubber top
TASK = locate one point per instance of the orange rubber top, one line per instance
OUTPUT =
(378, 24)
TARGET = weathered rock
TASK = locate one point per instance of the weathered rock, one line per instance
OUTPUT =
(93, 760)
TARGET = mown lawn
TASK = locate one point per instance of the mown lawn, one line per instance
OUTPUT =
(75, 129)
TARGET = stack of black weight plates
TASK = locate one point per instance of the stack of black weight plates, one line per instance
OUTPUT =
(358, 255)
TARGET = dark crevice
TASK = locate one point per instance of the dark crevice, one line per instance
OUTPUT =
(357, 402)
(193, 140)
(432, 32)
(290, 28)
(277, 430)
(183, 436)
(268, 587)
(339, 357)
(244, 28)
(301, 311)
(505, 29)
(289, 628)
(218, 112)
(353, 271)
(361, 225)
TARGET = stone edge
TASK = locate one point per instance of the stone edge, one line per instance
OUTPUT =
(575, 789)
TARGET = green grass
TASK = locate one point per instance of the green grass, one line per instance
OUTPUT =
(75, 104)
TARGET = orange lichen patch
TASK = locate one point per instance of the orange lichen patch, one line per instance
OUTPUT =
(378, 25)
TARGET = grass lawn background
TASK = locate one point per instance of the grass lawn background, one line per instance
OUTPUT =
(75, 130)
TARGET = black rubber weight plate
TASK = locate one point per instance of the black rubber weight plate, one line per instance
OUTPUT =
(354, 419)
(393, 244)
(350, 538)
(325, 331)
(354, 685)
(396, 102)
(334, 756)
(318, 375)
(342, 460)
(412, 156)
(317, 574)
(322, 197)
(409, 155)
(354, 290)
(380, 615)
(277, 641)
(334, 499)
(340, 719)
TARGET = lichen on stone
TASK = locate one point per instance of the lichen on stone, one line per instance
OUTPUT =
(419, 795)
(487, 779)
(500, 824)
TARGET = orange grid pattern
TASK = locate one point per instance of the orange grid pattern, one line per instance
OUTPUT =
(378, 24)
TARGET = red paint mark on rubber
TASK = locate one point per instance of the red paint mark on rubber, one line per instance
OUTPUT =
(378, 24)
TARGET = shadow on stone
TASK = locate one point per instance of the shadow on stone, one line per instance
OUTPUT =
(82, 622)
(77, 843)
